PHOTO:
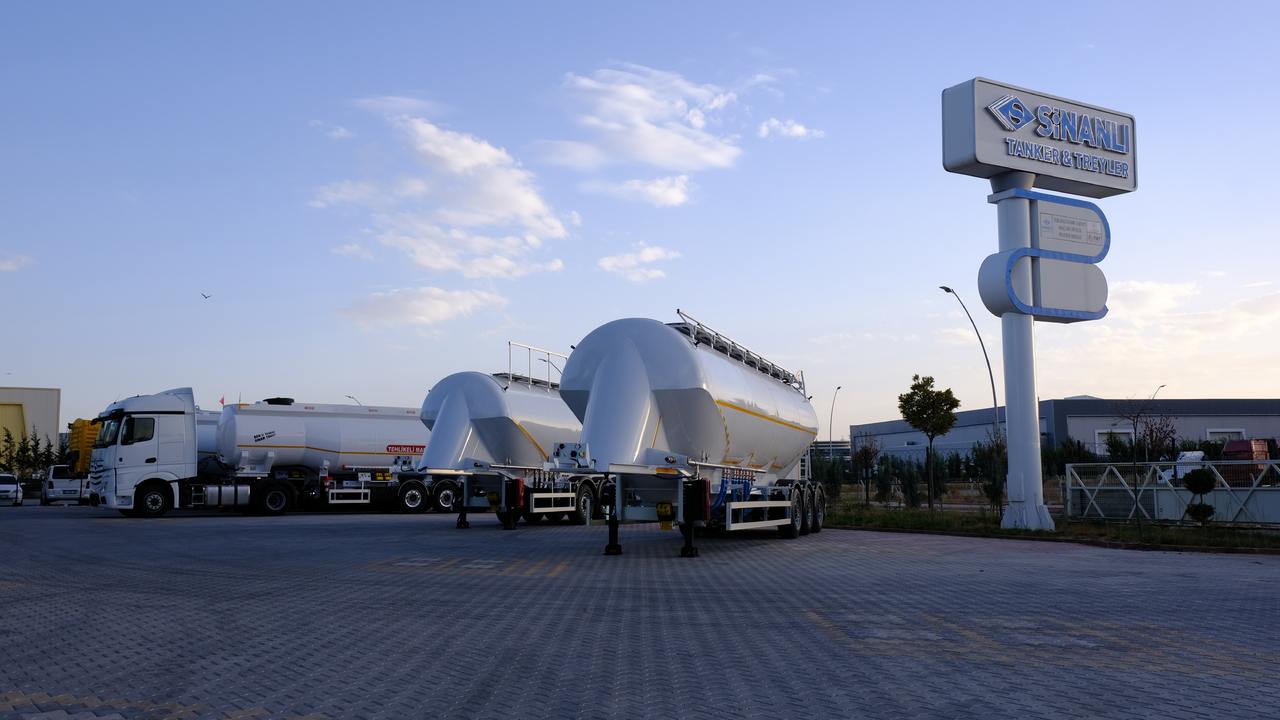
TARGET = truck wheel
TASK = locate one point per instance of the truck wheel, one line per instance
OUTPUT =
(806, 510)
(152, 501)
(584, 500)
(413, 498)
(819, 515)
(555, 517)
(274, 500)
(444, 493)
(791, 530)
(533, 518)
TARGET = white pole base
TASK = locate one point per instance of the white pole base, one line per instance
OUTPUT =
(1026, 516)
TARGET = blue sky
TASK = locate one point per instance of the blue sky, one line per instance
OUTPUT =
(378, 196)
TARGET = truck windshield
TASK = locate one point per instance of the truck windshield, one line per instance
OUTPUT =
(107, 435)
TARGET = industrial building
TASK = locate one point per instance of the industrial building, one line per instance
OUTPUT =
(1089, 420)
(24, 408)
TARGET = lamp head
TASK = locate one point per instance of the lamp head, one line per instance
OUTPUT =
(945, 288)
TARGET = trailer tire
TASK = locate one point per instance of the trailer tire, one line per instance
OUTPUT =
(413, 498)
(819, 515)
(152, 500)
(806, 507)
(791, 530)
(584, 502)
(444, 494)
(274, 500)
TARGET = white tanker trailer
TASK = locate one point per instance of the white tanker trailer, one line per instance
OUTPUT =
(153, 453)
(686, 426)
(490, 436)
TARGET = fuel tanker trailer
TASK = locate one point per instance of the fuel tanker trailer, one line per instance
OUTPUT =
(157, 452)
(490, 438)
(682, 425)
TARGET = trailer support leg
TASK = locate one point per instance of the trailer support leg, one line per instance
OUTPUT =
(688, 550)
(613, 548)
(462, 509)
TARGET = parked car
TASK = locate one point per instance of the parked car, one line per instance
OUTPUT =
(10, 490)
(61, 484)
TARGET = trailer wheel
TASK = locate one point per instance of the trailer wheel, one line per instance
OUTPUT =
(273, 501)
(444, 492)
(806, 510)
(152, 501)
(583, 502)
(791, 530)
(412, 498)
(819, 514)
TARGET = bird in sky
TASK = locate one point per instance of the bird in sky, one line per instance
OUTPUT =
(206, 297)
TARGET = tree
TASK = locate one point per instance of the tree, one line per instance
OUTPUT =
(1153, 434)
(930, 411)
(991, 463)
(866, 450)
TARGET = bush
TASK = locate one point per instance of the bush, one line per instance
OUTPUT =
(1201, 512)
(1200, 481)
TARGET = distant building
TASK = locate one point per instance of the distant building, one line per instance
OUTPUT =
(1089, 419)
(23, 408)
(839, 448)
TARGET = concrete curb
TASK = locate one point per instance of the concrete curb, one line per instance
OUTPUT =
(1109, 544)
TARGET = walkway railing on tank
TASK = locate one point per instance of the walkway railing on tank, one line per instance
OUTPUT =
(1247, 492)
(530, 378)
(701, 333)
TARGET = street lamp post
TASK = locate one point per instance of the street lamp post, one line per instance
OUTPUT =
(995, 404)
(830, 445)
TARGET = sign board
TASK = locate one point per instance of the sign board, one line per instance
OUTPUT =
(1068, 238)
(989, 128)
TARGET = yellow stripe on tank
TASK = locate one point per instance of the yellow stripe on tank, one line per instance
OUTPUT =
(766, 417)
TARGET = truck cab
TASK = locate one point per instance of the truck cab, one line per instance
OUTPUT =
(145, 446)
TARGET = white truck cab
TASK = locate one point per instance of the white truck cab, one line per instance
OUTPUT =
(145, 446)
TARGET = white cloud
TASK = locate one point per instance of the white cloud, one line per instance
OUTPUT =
(663, 192)
(788, 128)
(15, 263)
(353, 249)
(476, 211)
(639, 114)
(337, 132)
(1148, 339)
(348, 192)
(399, 105)
(418, 306)
(631, 265)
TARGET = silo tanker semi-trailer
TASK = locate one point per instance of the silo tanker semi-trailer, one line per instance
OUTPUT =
(150, 456)
(685, 426)
(490, 438)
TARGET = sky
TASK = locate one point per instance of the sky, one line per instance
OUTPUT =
(374, 196)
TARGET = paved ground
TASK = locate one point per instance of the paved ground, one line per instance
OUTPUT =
(395, 616)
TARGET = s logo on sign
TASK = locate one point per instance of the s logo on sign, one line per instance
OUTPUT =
(1010, 112)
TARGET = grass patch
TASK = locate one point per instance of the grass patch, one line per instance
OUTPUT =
(986, 523)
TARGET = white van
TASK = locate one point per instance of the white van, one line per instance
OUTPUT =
(60, 484)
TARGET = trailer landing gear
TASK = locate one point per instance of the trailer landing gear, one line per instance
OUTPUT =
(613, 548)
(688, 550)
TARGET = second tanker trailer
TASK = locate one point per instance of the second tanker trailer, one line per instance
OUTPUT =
(684, 425)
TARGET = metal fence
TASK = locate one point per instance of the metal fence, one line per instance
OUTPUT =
(1247, 492)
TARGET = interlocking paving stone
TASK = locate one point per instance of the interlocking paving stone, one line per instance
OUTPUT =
(361, 615)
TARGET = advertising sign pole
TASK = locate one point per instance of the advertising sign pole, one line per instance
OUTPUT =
(1050, 246)
(1022, 412)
